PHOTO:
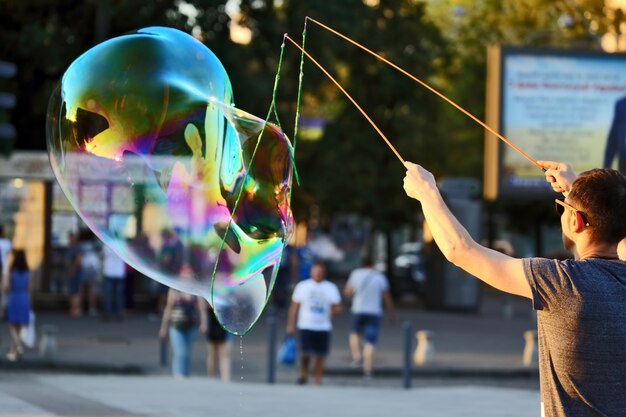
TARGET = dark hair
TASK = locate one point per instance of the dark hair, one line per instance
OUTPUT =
(367, 260)
(85, 235)
(601, 195)
(19, 260)
(319, 262)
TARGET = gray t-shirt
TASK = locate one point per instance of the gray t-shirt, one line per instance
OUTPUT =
(369, 285)
(581, 322)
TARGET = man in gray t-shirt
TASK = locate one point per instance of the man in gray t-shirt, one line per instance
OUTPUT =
(368, 289)
(581, 322)
(581, 303)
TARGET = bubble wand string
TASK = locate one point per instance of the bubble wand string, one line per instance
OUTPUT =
(431, 89)
(382, 135)
(271, 110)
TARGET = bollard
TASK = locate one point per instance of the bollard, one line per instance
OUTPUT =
(271, 358)
(425, 350)
(407, 369)
(530, 348)
(48, 345)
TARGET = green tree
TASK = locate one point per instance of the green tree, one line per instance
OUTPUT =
(43, 37)
(350, 169)
(470, 27)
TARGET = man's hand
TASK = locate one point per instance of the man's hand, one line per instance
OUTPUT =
(417, 180)
(559, 175)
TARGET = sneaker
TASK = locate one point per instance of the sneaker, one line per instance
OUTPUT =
(367, 376)
(301, 381)
(356, 363)
(12, 357)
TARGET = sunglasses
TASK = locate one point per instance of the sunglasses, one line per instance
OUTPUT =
(561, 205)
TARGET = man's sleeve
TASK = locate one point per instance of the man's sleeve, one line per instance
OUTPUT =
(548, 280)
(297, 294)
(385, 283)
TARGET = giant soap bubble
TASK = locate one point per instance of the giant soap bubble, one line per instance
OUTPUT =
(194, 193)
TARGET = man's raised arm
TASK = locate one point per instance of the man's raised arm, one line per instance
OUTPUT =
(494, 268)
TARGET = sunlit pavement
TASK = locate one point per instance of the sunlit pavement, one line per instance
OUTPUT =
(23, 394)
(476, 371)
(483, 344)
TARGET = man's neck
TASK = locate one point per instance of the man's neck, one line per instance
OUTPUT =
(588, 250)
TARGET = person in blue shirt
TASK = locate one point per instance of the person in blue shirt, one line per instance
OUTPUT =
(17, 289)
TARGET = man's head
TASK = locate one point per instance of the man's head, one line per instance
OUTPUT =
(599, 196)
(318, 271)
(367, 261)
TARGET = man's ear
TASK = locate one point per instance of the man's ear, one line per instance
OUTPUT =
(577, 222)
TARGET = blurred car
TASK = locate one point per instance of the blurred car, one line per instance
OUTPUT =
(410, 263)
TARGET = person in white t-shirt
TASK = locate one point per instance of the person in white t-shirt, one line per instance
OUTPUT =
(368, 289)
(313, 304)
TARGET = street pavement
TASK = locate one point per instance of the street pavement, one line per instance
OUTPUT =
(113, 395)
(112, 368)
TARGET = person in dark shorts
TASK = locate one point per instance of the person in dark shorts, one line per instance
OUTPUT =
(218, 355)
(313, 303)
(580, 302)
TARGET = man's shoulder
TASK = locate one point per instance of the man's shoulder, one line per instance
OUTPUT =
(329, 284)
(304, 283)
(575, 270)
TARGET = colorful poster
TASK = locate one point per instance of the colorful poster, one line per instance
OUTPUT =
(560, 106)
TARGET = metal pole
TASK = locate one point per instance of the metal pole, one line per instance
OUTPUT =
(408, 345)
(271, 358)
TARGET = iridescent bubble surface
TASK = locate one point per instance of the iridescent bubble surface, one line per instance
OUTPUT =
(146, 145)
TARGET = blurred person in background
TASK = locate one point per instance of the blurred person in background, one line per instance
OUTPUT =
(305, 258)
(218, 354)
(616, 140)
(84, 271)
(114, 274)
(134, 278)
(183, 316)
(313, 304)
(170, 259)
(5, 249)
(368, 289)
(580, 302)
(18, 288)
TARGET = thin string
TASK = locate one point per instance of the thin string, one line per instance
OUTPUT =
(245, 179)
(300, 78)
(422, 83)
(382, 135)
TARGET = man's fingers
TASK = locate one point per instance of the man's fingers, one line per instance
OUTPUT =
(550, 164)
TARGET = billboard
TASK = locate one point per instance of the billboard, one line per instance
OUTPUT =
(554, 105)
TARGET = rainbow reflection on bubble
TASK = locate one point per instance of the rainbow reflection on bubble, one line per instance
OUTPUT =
(142, 131)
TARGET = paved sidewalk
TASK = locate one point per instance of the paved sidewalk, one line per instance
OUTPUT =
(64, 395)
(481, 345)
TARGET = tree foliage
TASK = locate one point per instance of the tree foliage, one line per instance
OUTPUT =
(349, 169)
